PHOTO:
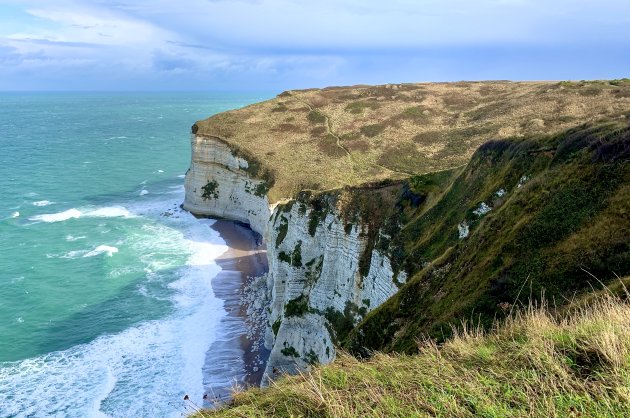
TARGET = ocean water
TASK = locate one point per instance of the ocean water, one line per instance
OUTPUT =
(106, 307)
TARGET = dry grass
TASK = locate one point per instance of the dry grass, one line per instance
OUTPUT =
(351, 135)
(535, 364)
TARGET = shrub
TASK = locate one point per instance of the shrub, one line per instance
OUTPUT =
(276, 326)
(283, 256)
(296, 256)
(357, 108)
(290, 352)
(283, 229)
(372, 130)
(315, 117)
(296, 307)
(210, 190)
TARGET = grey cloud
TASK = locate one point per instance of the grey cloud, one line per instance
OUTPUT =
(168, 62)
(83, 26)
(48, 42)
(188, 45)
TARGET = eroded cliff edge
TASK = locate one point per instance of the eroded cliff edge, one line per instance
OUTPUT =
(219, 183)
(324, 272)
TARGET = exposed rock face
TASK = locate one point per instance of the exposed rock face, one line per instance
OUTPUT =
(316, 284)
(314, 277)
(217, 184)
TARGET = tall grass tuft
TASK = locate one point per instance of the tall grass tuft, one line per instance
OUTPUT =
(537, 363)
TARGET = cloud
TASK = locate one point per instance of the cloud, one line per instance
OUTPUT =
(163, 61)
(48, 42)
(296, 43)
(91, 24)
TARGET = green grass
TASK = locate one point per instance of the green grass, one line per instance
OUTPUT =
(393, 131)
(553, 233)
(535, 363)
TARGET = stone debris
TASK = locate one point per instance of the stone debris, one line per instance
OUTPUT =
(482, 209)
(524, 179)
(464, 229)
(255, 297)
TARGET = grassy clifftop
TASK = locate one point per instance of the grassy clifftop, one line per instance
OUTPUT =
(536, 364)
(321, 139)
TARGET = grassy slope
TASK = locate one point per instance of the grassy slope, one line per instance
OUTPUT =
(533, 365)
(569, 221)
(322, 139)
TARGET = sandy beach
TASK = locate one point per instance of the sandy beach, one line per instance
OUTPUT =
(236, 358)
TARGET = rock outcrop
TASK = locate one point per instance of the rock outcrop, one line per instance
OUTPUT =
(217, 184)
(316, 283)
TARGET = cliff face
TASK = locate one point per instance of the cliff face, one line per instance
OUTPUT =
(324, 275)
(389, 199)
(217, 184)
(317, 288)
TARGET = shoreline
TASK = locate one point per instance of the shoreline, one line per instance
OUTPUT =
(245, 258)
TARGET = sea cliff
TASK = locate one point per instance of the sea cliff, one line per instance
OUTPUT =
(324, 273)
(218, 184)
(391, 212)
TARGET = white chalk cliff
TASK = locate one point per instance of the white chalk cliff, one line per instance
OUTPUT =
(233, 195)
(314, 278)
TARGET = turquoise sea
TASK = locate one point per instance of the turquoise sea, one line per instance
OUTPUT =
(106, 307)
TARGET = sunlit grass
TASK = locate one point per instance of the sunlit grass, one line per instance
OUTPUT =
(534, 364)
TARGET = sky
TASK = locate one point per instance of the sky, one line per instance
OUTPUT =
(265, 45)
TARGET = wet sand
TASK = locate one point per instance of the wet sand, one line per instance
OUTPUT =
(235, 359)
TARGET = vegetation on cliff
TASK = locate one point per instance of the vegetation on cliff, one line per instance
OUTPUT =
(526, 216)
(322, 139)
(536, 363)
(548, 214)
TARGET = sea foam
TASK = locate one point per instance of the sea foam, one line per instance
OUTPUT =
(146, 369)
(71, 238)
(106, 212)
(43, 203)
(100, 250)
(57, 217)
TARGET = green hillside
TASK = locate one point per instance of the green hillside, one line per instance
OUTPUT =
(546, 217)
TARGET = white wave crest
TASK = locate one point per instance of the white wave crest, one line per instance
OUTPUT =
(71, 238)
(43, 203)
(109, 212)
(57, 217)
(71, 254)
(15, 214)
(106, 212)
(100, 250)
